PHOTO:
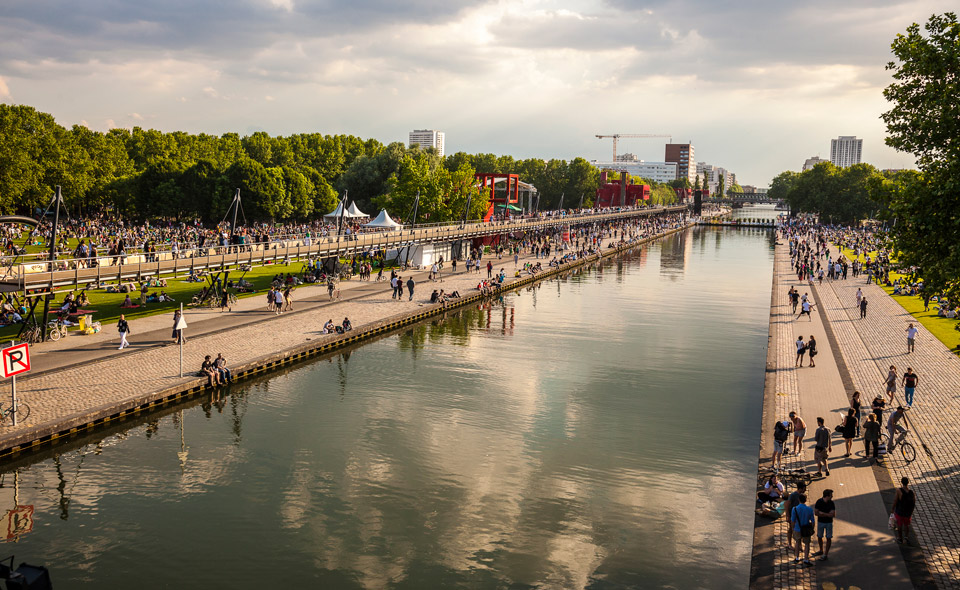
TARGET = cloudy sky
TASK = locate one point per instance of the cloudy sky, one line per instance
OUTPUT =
(757, 86)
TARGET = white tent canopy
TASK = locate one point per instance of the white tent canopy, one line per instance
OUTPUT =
(352, 211)
(383, 221)
(336, 212)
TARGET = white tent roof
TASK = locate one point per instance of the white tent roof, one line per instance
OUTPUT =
(383, 220)
(352, 211)
(336, 212)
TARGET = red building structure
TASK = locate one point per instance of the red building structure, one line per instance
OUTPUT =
(509, 195)
(618, 192)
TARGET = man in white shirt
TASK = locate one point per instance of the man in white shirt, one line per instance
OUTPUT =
(911, 336)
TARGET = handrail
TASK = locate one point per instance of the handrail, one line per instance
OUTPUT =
(73, 271)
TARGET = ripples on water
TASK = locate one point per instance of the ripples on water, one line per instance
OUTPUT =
(597, 431)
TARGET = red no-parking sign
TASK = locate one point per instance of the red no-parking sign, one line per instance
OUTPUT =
(15, 360)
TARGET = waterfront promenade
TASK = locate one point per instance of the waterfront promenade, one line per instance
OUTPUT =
(73, 385)
(854, 355)
(864, 554)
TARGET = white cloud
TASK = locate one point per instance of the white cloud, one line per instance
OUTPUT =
(522, 77)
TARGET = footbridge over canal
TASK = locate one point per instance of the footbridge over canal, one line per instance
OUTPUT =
(34, 278)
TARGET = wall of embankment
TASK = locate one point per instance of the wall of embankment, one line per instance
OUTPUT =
(43, 435)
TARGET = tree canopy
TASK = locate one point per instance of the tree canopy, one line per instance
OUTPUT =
(924, 120)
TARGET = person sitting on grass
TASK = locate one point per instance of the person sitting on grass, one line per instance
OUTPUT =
(210, 370)
(127, 303)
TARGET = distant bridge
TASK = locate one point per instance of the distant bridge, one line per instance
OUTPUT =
(748, 199)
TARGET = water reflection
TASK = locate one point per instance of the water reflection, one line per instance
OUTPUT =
(568, 440)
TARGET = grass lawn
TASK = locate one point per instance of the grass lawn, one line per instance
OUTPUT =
(942, 328)
(108, 304)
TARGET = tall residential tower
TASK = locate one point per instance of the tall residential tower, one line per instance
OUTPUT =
(845, 151)
(682, 155)
(427, 138)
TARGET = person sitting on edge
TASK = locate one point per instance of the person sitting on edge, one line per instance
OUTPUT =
(328, 327)
(434, 296)
(220, 364)
(347, 326)
(208, 369)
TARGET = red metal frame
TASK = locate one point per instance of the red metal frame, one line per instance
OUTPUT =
(513, 184)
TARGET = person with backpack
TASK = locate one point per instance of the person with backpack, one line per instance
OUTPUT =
(903, 506)
(781, 432)
(803, 528)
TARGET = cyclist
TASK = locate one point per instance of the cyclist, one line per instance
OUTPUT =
(893, 427)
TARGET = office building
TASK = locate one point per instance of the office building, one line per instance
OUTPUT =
(655, 171)
(813, 161)
(427, 138)
(845, 151)
(682, 155)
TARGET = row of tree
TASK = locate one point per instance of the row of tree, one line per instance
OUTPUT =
(148, 174)
(922, 207)
(839, 195)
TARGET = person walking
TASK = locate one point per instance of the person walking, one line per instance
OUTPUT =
(278, 302)
(793, 500)
(849, 430)
(822, 447)
(399, 288)
(859, 297)
(825, 511)
(871, 436)
(124, 330)
(801, 350)
(805, 308)
(410, 285)
(856, 405)
(910, 380)
(799, 431)
(178, 337)
(781, 433)
(393, 285)
(812, 349)
(863, 308)
(891, 382)
(911, 337)
(903, 506)
(803, 528)
(489, 269)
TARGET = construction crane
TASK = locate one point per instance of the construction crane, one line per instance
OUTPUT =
(617, 136)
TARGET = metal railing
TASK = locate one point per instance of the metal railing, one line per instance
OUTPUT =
(42, 276)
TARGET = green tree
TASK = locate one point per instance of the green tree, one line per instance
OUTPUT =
(924, 120)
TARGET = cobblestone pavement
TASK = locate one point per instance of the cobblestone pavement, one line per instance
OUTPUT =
(55, 395)
(869, 347)
(864, 554)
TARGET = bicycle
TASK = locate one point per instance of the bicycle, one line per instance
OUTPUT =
(57, 329)
(23, 412)
(907, 450)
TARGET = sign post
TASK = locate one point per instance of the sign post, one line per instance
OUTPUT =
(181, 325)
(15, 360)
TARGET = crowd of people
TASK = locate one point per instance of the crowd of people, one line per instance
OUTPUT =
(813, 260)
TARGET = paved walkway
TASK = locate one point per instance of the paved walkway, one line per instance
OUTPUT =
(869, 347)
(864, 554)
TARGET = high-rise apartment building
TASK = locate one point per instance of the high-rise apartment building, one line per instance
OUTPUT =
(427, 138)
(813, 161)
(845, 151)
(682, 155)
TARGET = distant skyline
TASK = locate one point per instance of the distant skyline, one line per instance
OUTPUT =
(757, 87)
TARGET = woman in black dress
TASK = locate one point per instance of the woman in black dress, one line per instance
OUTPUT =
(849, 430)
(812, 349)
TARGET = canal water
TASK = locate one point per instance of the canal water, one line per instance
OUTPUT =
(595, 431)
